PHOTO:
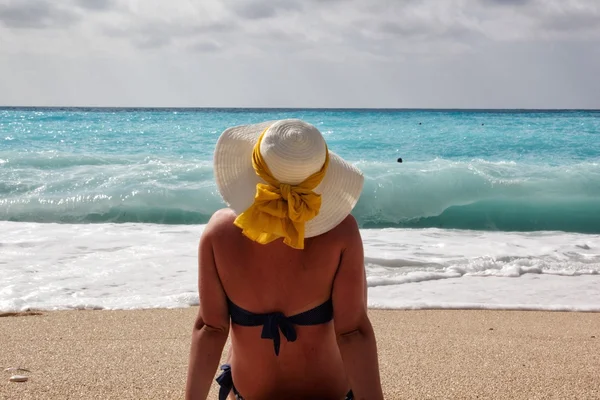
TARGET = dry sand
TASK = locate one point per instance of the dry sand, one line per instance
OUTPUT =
(423, 354)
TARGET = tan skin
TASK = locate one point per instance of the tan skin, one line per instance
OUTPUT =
(326, 360)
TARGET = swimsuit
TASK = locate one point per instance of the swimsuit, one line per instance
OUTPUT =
(273, 323)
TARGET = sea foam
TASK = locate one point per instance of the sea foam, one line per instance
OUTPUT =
(132, 266)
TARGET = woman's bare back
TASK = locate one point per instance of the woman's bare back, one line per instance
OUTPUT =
(275, 277)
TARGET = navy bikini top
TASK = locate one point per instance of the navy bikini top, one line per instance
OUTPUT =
(274, 322)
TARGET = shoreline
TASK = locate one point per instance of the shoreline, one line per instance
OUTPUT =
(424, 354)
(39, 311)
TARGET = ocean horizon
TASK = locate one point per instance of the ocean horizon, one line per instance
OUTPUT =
(263, 109)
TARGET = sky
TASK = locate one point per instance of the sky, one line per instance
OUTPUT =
(301, 53)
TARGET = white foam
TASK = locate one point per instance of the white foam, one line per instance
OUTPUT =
(130, 266)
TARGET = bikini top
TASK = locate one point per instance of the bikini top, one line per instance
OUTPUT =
(275, 321)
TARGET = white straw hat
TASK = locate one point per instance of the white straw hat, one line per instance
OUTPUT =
(293, 150)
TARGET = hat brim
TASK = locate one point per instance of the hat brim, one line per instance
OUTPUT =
(236, 180)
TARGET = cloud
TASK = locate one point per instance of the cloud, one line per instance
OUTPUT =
(326, 28)
(567, 20)
(205, 47)
(35, 14)
(262, 9)
(95, 5)
(509, 2)
(158, 34)
(152, 42)
(409, 52)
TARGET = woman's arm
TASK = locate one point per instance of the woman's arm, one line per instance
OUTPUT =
(212, 323)
(355, 335)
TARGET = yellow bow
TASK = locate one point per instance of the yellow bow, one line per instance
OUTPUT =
(279, 209)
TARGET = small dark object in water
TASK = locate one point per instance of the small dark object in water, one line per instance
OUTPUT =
(399, 160)
(481, 124)
(419, 123)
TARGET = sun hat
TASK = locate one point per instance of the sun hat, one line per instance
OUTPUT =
(277, 170)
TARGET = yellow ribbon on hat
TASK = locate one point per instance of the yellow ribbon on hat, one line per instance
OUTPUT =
(279, 209)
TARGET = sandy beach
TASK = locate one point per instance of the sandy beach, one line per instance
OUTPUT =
(431, 354)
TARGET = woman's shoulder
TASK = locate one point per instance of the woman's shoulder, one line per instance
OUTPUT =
(223, 215)
(349, 222)
(349, 225)
(221, 221)
(345, 231)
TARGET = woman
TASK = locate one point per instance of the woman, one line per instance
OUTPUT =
(283, 269)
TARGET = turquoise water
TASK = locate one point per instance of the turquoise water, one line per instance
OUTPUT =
(492, 170)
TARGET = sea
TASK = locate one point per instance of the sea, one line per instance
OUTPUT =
(103, 208)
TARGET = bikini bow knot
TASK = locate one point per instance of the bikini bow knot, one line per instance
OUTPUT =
(274, 323)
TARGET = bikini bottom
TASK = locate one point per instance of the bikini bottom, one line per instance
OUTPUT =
(225, 382)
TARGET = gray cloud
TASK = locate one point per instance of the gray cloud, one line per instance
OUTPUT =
(262, 9)
(156, 34)
(394, 53)
(96, 5)
(35, 14)
(159, 28)
(374, 27)
(424, 30)
(205, 47)
(571, 21)
(152, 42)
(509, 2)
